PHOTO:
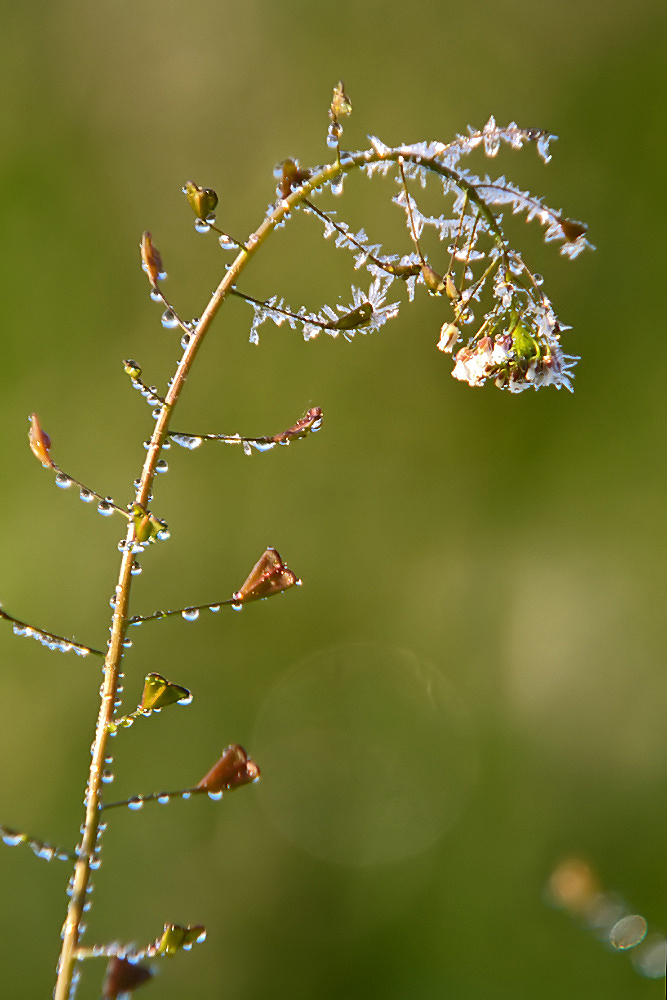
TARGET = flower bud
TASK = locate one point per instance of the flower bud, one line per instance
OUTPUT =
(433, 281)
(361, 316)
(40, 442)
(340, 103)
(449, 334)
(289, 176)
(203, 201)
(123, 977)
(232, 770)
(151, 261)
(268, 576)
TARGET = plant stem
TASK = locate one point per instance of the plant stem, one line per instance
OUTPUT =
(113, 660)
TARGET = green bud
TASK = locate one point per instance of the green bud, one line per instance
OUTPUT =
(203, 201)
(361, 316)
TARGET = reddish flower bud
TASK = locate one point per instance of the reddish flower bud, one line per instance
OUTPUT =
(123, 976)
(151, 261)
(40, 442)
(232, 770)
(268, 576)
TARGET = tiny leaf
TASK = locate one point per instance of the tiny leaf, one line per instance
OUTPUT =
(233, 769)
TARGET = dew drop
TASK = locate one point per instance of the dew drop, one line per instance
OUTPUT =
(237, 606)
(201, 226)
(163, 799)
(216, 796)
(12, 839)
(95, 863)
(185, 340)
(247, 449)
(190, 614)
(126, 645)
(337, 185)
(163, 535)
(105, 507)
(214, 607)
(135, 803)
(156, 295)
(136, 568)
(332, 140)
(169, 320)
(161, 466)
(538, 279)
(226, 242)
(63, 481)
(107, 777)
(185, 796)
(628, 932)
(166, 445)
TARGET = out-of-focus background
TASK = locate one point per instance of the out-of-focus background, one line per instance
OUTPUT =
(470, 685)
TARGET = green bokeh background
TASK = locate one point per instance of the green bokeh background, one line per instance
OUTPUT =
(512, 548)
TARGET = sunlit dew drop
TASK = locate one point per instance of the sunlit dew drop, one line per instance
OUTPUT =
(163, 535)
(332, 141)
(247, 449)
(337, 185)
(12, 839)
(538, 279)
(169, 320)
(237, 606)
(185, 340)
(105, 507)
(95, 863)
(135, 804)
(226, 242)
(190, 614)
(216, 796)
(126, 645)
(214, 607)
(107, 777)
(185, 796)
(63, 481)
(202, 226)
(163, 799)
(628, 932)
(136, 568)
(161, 466)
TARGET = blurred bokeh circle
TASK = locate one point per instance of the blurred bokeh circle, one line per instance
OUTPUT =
(367, 752)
